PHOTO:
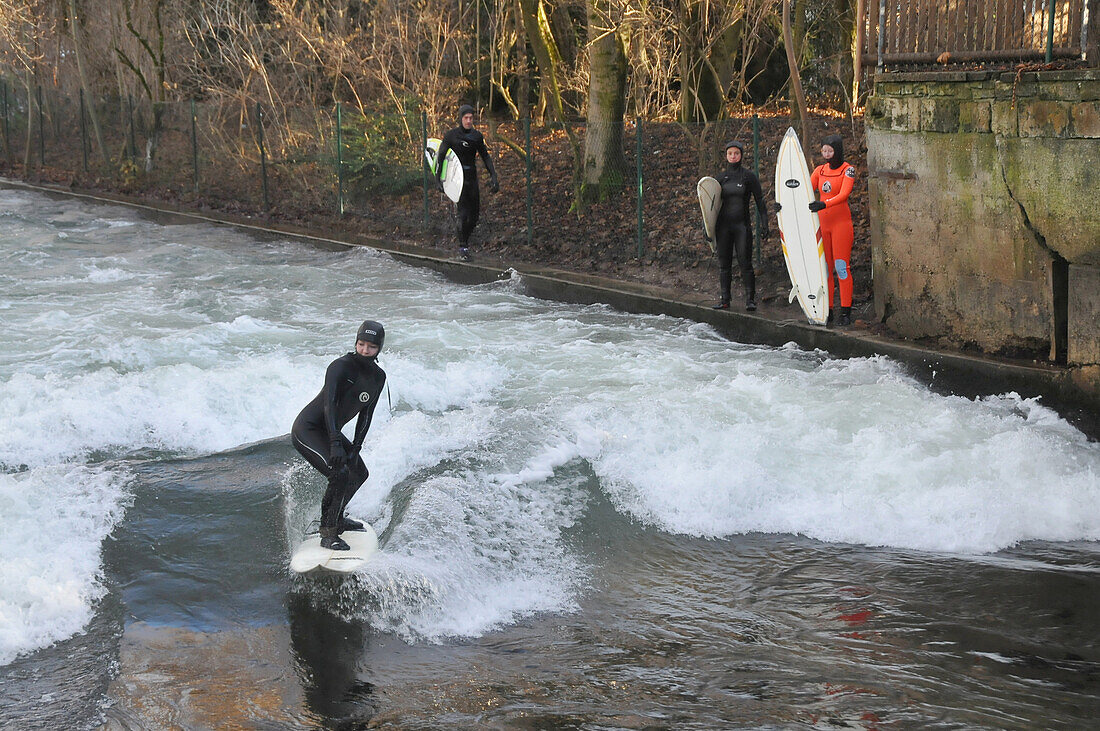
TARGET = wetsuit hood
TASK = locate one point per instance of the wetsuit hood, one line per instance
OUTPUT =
(835, 142)
(739, 146)
(371, 331)
(463, 111)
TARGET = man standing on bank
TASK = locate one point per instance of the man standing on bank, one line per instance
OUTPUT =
(733, 229)
(467, 143)
(353, 383)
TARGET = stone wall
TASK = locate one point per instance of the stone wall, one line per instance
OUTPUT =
(985, 209)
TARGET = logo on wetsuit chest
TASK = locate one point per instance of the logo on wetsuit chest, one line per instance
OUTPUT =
(826, 187)
(364, 397)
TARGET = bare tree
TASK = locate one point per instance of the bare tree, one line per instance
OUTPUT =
(603, 142)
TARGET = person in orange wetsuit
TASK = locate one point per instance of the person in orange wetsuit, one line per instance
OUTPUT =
(833, 182)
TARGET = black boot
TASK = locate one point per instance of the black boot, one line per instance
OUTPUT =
(723, 305)
(724, 286)
(750, 299)
(347, 523)
(829, 319)
(331, 539)
(845, 316)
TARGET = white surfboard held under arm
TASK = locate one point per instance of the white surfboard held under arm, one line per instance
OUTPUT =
(452, 169)
(800, 231)
(309, 556)
(709, 191)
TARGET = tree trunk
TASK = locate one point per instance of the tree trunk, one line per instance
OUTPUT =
(708, 58)
(78, 51)
(603, 145)
(796, 79)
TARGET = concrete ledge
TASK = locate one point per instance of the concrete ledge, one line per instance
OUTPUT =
(950, 373)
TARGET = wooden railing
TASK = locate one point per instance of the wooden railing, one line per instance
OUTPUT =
(899, 32)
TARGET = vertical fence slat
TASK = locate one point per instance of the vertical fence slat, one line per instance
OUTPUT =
(530, 190)
(641, 215)
(339, 159)
(424, 162)
(263, 153)
(41, 130)
(194, 147)
(83, 133)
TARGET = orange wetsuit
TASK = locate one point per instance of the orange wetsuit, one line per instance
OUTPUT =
(834, 185)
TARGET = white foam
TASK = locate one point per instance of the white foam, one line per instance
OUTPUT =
(134, 339)
(55, 520)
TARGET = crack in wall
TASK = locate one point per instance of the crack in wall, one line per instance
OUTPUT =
(1059, 287)
(1039, 238)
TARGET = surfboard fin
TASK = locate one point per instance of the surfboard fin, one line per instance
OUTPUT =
(794, 293)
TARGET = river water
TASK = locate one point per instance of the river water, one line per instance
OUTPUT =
(588, 519)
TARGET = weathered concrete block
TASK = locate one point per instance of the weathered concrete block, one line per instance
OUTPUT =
(1084, 315)
(939, 115)
(1085, 121)
(1006, 120)
(1040, 118)
(1053, 183)
(975, 193)
(975, 116)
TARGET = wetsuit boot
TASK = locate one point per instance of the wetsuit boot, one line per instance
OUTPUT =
(347, 523)
(845, 316)
(330, 538)
(750, 298)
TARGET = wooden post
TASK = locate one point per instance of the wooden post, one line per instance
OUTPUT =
(857, 52)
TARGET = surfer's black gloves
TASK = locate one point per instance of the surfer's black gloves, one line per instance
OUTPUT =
(354, 453)
(338, 458)
(817, 206)
(494, 185)
(778, 206)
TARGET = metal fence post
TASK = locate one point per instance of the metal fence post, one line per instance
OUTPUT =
(133, 141)
(756, 171)
(83, 133)
(194, 147)
(340, 158)
(641, 219)
(7, 129)
(41, 131)
(263, 154)
(527, 173)
(1050, 30)
(424, 161)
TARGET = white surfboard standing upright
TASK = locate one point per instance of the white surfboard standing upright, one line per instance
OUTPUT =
(709, 191)
(452, 169)
(800, 231)
(309, 556)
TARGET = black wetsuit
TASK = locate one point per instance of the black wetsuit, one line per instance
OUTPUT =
(733, 230)
(353, 384)
(467, 144)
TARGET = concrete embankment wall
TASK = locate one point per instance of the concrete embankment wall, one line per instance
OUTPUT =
(984, 193)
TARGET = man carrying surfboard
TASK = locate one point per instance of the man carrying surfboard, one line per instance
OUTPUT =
(353, 383)
(733, 229)
(467, 144)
